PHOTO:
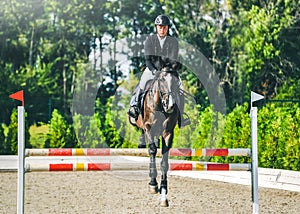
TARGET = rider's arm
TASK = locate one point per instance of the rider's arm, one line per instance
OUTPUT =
(150, 54)
(171, 61)
(174, 50)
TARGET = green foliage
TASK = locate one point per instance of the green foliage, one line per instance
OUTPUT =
(251, 45)
(210, 129)
(262, 56)
(279, 137)
(88, 130)
(11, 141)
(3, 147)
(40, 86)
(113, 135)
(236, 133)
(205, 124)
(185, 138)
(38, 135)
(291, 160)
(118, 107)
(130, 133)
(61, 135)
(290, 90)
(108, 121)
(6, 87)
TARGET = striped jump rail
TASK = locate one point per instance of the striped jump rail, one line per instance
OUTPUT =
(137, 152)
(145, 166)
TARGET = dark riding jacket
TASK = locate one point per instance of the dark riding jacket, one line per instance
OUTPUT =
(157, 57)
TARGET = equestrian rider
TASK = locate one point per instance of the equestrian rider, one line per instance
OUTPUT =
(161, 51)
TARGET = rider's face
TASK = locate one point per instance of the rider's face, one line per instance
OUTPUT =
(162, 30)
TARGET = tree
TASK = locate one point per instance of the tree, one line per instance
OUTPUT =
(260, 47)
(53, 48)
(61, 135)
(89, 132)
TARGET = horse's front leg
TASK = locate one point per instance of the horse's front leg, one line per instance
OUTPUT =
(166, 145)
(142, 142)
(152, 149)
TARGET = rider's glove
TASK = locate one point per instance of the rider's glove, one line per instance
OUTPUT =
(154, 72)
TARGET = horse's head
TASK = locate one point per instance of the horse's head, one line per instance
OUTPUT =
(167, 85)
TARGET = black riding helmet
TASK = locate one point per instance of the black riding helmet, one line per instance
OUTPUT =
(162, 20)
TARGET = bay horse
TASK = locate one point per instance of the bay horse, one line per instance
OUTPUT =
(158, 119)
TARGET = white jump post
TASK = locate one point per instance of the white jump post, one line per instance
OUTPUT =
(21, 150)
(254, 168)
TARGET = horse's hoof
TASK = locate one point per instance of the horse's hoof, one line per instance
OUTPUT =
(164, 203)
(153, 189)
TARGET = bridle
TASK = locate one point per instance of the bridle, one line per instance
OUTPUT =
(167, 97)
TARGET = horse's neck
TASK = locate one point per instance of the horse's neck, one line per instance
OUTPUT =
(155, 92)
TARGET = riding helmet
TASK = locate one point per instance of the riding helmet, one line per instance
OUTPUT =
(162, 20)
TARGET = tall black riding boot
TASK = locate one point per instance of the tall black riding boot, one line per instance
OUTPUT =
(135, 104)
(182, 122)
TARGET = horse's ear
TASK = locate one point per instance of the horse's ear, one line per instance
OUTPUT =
(143, 67)
(176, 66)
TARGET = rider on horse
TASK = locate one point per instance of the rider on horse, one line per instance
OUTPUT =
(161, 52)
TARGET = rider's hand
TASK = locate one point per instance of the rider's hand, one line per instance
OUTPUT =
(167, 68)
(154, 72)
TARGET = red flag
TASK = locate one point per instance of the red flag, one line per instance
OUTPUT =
(18, 96)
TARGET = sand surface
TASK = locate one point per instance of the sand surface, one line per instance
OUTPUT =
(126, 192)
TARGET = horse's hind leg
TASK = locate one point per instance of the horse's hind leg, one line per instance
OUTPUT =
(153, 187)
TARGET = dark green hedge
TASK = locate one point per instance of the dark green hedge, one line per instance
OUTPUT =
(278, 135)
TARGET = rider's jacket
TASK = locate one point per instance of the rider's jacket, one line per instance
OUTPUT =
(157, 57)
